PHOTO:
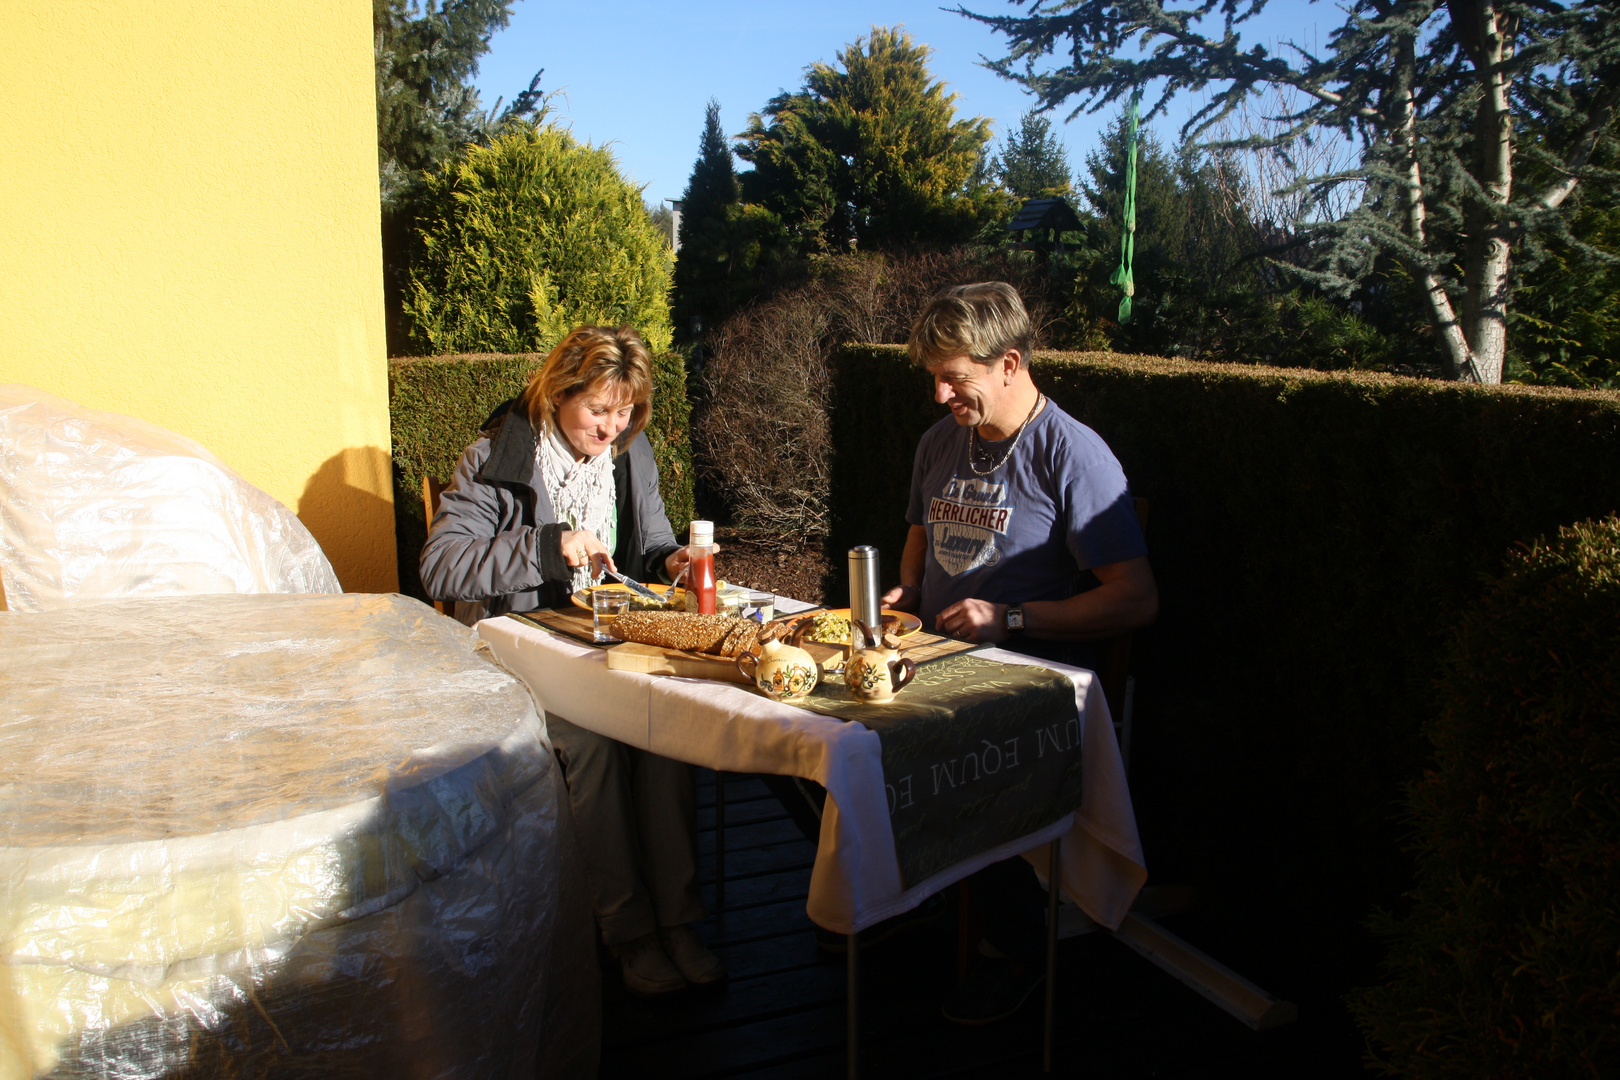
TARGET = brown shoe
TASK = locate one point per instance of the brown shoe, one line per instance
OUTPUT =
(647, 971)
(700, 966)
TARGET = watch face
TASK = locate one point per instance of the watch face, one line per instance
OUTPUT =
(1015, 617)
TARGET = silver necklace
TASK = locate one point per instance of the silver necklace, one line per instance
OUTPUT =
(975, 452)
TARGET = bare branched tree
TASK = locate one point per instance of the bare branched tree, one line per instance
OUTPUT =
(761, 431)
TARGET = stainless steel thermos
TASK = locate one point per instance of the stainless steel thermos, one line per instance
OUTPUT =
(864, 594)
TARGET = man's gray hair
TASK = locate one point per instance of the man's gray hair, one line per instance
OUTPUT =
(981, 321)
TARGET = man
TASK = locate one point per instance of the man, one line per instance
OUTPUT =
(1013, 501)
(1023, 533)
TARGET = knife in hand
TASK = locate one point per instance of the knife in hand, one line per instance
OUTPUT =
(633, 585)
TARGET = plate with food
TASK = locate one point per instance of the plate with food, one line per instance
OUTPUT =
(832, 627)
(674, 600)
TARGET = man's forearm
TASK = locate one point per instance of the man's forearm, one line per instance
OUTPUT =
(1126, 598)
(907, 596)
(914, 559)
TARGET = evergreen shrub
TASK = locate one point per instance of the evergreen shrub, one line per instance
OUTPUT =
(520, 241)
(1508, 964)
(437, 403)
(1315, 536)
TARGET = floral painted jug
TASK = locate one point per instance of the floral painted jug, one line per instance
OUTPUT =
(877, 672)
(782, 672)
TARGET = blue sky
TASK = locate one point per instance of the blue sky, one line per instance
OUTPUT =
(638, 74)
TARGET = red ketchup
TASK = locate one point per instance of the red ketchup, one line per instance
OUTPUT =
(700, 575)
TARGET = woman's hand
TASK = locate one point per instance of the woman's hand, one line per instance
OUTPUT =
(675, 562)
(581, 547)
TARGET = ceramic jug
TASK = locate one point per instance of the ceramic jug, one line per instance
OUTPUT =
(877, 672)
(782, 672)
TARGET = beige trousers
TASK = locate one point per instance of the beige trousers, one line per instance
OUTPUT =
(635, 814)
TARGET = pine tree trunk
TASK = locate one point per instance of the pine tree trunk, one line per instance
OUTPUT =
(1454, 343)
(1488, 37)
(1474, 340)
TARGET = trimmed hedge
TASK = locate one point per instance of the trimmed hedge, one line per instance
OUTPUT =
(437, 403)
(1509, 963)
(1315, 536)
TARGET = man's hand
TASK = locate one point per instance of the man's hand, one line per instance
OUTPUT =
(913, 561)
(973, 620)
(903, 598)
(580, 546)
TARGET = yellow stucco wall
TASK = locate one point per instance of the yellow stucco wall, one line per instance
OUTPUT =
(189, 233)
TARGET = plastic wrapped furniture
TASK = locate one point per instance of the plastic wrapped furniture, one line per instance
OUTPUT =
(273, 836)
(98, 506)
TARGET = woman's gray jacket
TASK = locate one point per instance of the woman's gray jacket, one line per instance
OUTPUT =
(496, 540)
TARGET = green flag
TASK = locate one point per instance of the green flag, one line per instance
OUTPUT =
(1127, 238)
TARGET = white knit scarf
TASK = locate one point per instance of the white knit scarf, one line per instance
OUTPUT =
(581, 492)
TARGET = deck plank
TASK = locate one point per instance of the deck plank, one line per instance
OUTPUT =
(782, 1014)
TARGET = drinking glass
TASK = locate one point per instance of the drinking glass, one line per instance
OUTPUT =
(607, 603)
(761, 606)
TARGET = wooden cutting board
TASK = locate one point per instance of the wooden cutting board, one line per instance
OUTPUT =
(653, 660)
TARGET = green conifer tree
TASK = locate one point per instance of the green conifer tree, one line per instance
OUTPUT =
(709, 208)
(1033, 164)
(524, 239)
(1431, 92)
(869, 153)
(426, 52)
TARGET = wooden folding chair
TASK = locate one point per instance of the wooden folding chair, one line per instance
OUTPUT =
(1196, 969)
(431, 490)
(1114, 669)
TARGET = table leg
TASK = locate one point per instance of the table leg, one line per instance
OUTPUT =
(968, 930)
(1053, 888)
(719, 840)
(853, 971)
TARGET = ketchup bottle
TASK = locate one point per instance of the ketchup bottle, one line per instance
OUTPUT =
(700, 576)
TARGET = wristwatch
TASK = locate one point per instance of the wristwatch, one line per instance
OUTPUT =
(1014, 619)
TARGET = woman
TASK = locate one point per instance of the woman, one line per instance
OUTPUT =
(561, 482)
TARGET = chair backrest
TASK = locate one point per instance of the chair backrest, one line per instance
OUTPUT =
(1114, 654)
(431, 490)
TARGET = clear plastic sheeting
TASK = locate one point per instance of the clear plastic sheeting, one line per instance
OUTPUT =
(263, 836)
(99, 506)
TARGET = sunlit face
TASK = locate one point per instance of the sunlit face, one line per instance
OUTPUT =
(591, 419)
(973, 391)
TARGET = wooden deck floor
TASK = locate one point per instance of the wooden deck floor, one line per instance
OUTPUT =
(782, 1013)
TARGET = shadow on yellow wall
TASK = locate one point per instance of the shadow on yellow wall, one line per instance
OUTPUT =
(352, 523)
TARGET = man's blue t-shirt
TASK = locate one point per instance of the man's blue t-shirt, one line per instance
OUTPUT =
(1027, 531)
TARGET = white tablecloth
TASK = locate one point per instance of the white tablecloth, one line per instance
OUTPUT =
(856, 880)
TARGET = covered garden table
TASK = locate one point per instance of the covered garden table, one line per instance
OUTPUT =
(256, 835)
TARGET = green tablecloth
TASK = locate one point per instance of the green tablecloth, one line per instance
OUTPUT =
(975, 753)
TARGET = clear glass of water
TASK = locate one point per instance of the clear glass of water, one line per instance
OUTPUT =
(607, 603)
(761, 606)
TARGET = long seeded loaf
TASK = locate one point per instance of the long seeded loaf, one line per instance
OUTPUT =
(677, 630)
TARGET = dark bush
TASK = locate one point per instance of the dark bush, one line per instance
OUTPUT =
(1508, 964)
(1315, 536)
(437, 403)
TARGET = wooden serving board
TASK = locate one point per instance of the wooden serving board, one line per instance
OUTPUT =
(570, 622)
(653, 660)
(920, 646)
(924, 647)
